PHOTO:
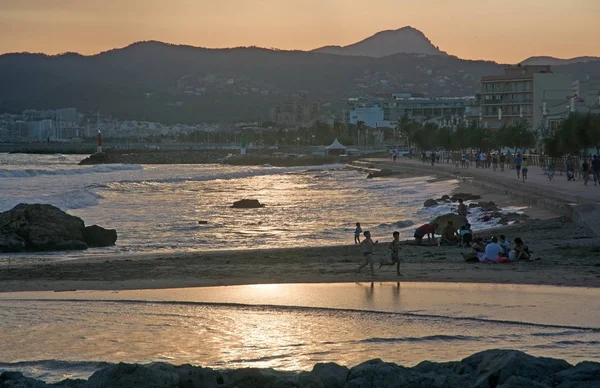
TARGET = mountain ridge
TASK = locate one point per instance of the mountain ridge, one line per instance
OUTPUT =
(405, 40)
(163, 82)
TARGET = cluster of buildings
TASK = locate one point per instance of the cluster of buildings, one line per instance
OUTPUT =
(67, 125)
(40, 124)
(533, 95)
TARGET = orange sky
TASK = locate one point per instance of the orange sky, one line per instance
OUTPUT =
(501, 30)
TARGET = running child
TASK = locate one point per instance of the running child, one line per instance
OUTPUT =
(368, 245)
(524, 169)
(357, 233)
(395, 254)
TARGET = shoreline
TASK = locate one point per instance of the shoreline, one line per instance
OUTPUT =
(330, 264)
(550, 238)
(505, 367)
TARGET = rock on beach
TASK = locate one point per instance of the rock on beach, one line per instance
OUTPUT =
(495, 368)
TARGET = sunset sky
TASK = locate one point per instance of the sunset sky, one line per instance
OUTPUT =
(501, 30)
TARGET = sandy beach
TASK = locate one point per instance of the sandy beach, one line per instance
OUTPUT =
(565, 253)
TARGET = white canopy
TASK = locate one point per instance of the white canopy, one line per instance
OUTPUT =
(336, 145)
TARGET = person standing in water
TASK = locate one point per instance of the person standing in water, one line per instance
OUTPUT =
(368, 245)
(357, 233)
(395, 254)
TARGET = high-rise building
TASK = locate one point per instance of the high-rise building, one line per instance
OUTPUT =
(523, 94)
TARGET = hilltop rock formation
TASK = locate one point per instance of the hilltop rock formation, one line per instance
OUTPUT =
(487, 369)
(40, 227)
(406, 40)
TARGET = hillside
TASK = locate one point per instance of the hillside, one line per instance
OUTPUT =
(552, 61)
(168, 83)
(406, 40)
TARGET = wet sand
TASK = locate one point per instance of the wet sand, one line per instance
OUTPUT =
(568, 253)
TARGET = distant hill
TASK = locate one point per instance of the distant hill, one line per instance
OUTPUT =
(161, 82)
(406, 40)
(552, 61)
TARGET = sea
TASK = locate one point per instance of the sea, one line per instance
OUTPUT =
(57, 335)
(157, 208)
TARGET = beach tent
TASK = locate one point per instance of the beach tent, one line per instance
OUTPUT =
(336, 148)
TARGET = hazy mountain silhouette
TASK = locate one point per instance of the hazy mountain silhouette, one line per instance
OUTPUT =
(168, 83)
(406, 40)
(552, 61)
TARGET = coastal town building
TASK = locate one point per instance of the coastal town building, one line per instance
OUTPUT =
(388, 110)
(524, 94)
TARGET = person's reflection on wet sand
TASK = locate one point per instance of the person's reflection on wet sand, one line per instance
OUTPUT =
(396, 293)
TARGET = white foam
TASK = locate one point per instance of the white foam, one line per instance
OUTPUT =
(105, 168)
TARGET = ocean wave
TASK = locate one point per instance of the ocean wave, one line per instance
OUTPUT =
(104, 168)
(439, 337)
(69, 200)
(227, 175)
(54, 364)
(269, 307)
(398, 224)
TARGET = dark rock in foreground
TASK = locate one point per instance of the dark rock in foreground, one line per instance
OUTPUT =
(464, 197)
(39, 227)
(430, 203)
(97, 236)
(381, 173)
(487, 369)
(247, 204)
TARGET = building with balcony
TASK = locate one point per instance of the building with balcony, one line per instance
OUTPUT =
(523, 94)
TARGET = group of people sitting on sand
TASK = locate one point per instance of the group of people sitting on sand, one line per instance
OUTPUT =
(497, 250)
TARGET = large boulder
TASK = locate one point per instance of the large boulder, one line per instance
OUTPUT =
(443, 220)
(464, 196)
(97, 236)
(330, 374)
(430, 203)
(247, 204)
(492, 368)
(133, 375)
(583, 375)
(41, 227)
(10, 242)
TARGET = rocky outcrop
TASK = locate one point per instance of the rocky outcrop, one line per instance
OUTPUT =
(97, 236)
(464, 196)
(39, 227)
(380, 173)
(247, 204)
(487, 369)
(430, 203)
(485, 206)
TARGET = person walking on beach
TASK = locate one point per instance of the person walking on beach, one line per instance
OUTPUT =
(518, 161)
(432, 158)
(585, 171)
(502, 161)
(596, 169)
(395, 254)
(524, 169)
(368, 245)
(357, 233)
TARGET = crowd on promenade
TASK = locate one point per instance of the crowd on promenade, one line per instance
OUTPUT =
(584, 169)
